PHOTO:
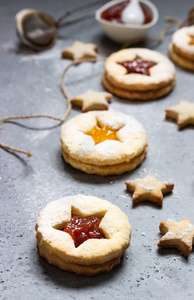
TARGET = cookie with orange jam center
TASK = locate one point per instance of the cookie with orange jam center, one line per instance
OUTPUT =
(101, 134)
(181, 49)
(191, 42)
(103, 142)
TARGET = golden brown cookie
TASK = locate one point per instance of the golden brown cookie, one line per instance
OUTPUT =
(183, 113)
(92, 100)
(106, 170)
(80, 50)
(138, 74)
(177, 234)
(148, 189)
(181, 49)
(92, 256)
(103, 142)
(137, 95)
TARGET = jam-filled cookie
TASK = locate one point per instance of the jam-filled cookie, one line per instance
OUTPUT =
(83, 234)
(181, 49)
(103, 142)
(138, 74)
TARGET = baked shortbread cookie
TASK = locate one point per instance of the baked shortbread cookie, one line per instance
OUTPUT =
(181, 49)
(148, 188)
(177, 234)
(80, 50)
(92, 100)
(138, 74)
(183, 113)
(103, 142)
(57, 236)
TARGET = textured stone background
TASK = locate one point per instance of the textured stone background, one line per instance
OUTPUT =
(30, 84)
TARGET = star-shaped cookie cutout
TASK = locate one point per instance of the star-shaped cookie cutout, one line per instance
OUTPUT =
(148, 189)
(92, 100)
(80, 50)
(191, 42)
(138, 66)
(178, 235)
(183, 113)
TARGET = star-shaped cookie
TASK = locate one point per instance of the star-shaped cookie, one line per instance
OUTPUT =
(183, 113)
(92, 100)
(177, 234)
(80, 50)
(148, 189)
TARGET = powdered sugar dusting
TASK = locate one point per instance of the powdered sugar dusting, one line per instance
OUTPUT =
(131, 134)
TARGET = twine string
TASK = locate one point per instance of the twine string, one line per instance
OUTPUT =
(61, 120)
(171, 23)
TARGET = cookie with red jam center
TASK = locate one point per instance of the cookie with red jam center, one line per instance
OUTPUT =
(83, 234)
(138, 74)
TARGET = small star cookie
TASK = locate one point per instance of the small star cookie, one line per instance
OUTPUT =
(177, 234)
(92, 100)
(148, 189)
(183, 113)
(80, 50)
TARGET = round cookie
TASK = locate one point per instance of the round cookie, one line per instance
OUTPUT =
(106, 170)
(93, 255)
(148, 75)
(181, 49)
(111, 156)
(134, 95)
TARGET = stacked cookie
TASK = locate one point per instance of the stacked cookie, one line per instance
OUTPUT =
(181, 50)
(94, 255)
(103, 142)
(138, 74)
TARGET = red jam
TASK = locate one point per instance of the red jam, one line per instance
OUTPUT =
(114, 13)
(82, 229)
(138, 65)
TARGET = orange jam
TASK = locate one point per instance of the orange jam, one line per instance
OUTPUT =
(101, 134)
(81, 229)
(191, 42)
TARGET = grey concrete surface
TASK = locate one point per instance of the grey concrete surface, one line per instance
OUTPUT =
(30, 84)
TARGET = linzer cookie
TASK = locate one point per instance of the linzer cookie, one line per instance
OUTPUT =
(177, 234)
(103, 142)
(138, 74)
(82, 234)
(181, 49)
